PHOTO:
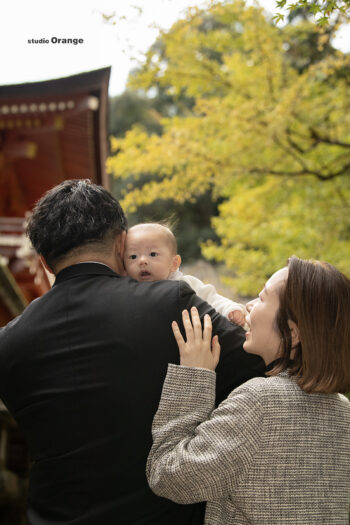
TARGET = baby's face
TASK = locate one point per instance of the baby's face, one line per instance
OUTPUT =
(148, 256)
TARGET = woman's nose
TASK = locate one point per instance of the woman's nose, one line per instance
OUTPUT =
(249, 306)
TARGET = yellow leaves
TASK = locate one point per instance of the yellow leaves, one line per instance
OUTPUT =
(114, 143)
(181, 188)
(178, 164)
(262, 226)
(257, 133)
(191, 56)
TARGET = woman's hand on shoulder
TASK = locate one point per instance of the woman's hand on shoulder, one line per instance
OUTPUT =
(199, 350)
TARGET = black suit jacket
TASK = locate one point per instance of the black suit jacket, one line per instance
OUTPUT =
(81, 370)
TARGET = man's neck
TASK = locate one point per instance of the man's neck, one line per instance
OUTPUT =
(112, 256)
(92, 258)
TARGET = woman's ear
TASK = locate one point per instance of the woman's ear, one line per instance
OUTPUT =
(294, 332)
(175, 263)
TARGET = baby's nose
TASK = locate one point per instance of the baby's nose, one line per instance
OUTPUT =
(143, 259)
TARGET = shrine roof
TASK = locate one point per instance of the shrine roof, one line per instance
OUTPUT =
(88, 81)
(51, 131)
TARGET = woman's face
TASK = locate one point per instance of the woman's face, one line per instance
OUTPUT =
(262, 337)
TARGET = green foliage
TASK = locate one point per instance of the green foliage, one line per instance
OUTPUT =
(305, 47)
(134, 107)
(190, 223)
(323, 10)
(269, 135)
(130, 108)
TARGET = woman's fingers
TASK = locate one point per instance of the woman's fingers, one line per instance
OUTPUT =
(207, 330)
(199, 350)
(178, 336)
(188, 327)
(197, 325)
(215, 350)
(193, 328)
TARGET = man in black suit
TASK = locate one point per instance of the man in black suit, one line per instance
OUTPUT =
(82, 368)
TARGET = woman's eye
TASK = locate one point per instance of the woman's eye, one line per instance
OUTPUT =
(153, 254)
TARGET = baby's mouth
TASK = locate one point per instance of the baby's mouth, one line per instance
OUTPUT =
(145, 274)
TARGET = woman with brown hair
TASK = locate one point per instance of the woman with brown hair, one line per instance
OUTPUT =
(277, 450)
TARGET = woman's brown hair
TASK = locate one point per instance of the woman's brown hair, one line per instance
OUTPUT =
(317, 298)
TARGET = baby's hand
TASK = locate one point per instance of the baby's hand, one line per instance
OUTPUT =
(237, 317)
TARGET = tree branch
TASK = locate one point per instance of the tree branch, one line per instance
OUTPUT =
(319, 138)
(321, 176)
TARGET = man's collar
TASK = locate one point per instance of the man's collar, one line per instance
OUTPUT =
(94, 262)
(84, 268)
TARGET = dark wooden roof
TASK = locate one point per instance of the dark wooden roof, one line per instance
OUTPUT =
(91, 81)
(51, 131)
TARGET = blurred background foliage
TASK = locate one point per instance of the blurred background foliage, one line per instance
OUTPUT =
(239, 132)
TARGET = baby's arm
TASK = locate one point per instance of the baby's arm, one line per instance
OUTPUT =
(235, 312)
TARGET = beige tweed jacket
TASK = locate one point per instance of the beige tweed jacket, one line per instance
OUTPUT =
(270, 454)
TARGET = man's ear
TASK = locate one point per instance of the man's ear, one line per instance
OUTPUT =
(294, 332)
(120, 247)
(120, 244)
(175, 263)
(45, 264)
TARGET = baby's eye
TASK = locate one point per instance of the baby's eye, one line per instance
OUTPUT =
(133, 256)
(153, 254)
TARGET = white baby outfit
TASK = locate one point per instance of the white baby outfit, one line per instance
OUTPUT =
(208, 293)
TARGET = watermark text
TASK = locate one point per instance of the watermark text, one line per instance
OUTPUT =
(56, 40)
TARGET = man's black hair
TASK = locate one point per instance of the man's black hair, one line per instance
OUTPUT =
(71, 215)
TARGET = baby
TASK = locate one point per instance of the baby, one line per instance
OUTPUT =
(150, 255)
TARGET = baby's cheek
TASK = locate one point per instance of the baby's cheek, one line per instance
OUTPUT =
(128, 267)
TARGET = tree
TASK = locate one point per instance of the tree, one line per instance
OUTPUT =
(130, 108)
(323, 10)
(269, 137)
(134, 107)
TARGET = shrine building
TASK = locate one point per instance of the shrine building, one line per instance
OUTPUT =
(49, 131)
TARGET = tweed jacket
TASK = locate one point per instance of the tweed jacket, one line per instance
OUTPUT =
(269, 454)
